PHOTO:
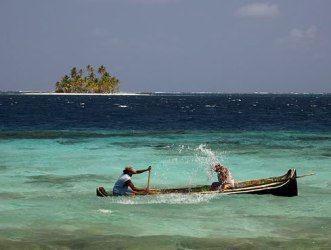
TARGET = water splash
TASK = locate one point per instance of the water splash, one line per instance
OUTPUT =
(165, 199)
(104, 211)
(208, 158)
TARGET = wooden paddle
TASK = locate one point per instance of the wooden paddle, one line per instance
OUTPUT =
(149, 178)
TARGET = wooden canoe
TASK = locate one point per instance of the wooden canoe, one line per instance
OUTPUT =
(285, 185)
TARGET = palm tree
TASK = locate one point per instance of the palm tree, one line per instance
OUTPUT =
(91, 75)
(115, 85)
(102, 70)
(89, 69)
(73, 73)
(80, 73)
(79, 84)
(58, 87)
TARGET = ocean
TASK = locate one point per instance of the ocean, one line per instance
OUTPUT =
(56, 149)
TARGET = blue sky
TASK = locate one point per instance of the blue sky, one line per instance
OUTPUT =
(169, 45)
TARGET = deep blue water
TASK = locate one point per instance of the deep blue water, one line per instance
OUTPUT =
(167, 112)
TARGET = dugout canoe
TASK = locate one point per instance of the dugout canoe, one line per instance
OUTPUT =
(285, 185)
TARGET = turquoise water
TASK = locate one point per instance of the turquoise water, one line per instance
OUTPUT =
(49, 175)
(48, 191)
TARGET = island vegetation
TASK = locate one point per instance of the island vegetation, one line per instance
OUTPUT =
(100, 82)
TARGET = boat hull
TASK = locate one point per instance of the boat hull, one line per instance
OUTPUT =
(280, 186)
(285, 185)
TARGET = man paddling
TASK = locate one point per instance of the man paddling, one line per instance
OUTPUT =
(225, 178)
(123, 183)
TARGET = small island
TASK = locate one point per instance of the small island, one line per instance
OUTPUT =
(77, 83)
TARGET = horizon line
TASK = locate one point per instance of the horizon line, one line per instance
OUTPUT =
(22, 92)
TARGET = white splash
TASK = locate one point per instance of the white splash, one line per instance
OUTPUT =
(165, 199)
(121, 105)
(208, 158)
(104, 211)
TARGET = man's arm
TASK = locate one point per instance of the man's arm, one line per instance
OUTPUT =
(130, 184)
(143, 170)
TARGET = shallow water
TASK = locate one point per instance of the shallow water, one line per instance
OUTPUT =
(55, 151)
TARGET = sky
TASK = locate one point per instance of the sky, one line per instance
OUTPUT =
(228, 46)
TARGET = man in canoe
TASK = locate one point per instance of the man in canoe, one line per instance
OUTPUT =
(225, 178)
(123, 183)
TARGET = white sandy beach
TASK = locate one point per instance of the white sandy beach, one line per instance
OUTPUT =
(87, 94)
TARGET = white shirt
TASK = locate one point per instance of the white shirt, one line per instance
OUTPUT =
(120, 188)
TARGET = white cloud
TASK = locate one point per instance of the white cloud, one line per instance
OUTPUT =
(258, 10)
(298, 38)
